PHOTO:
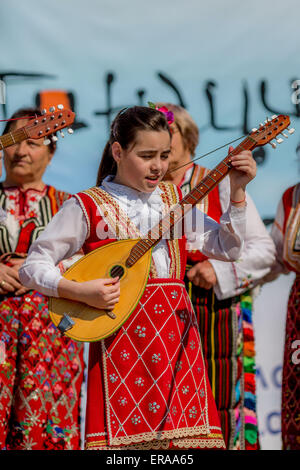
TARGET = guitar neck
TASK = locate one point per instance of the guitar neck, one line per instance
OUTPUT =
(199, 192)
(12, 138)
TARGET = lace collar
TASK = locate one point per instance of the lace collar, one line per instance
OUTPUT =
(132, 196)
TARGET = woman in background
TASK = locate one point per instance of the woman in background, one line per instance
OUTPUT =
(221, 293)
(286, 235)
(41, 371)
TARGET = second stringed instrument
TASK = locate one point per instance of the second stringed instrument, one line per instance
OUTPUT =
(40, 126)
(131, 259)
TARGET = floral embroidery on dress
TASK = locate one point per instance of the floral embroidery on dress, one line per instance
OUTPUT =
(122, 401)
(158, 309)
(139, 382)
(193, 412)
(113, 378)
(185, 390)
(140, 331)
(125, 355)
(136, 419)
(154, 407)
(156, 358)
(171, 336)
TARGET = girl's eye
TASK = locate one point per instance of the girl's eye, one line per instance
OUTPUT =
(165, 157)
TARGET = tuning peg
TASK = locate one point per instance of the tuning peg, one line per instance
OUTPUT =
(52, 109)
(60, 106)
(273, 145)
(47, 141)
(284, 135)
(291, 131)
(70, 131)
(254, 129)
(62, 134)
(261, 124)
(54, 138)
(279, 140)
(274, 116)
(44, 111)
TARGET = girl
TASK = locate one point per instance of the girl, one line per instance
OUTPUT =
(147, 384)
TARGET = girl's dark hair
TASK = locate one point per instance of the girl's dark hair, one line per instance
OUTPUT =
(26, 112)
(124, 129)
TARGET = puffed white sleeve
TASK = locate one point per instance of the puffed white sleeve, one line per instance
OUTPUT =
(256, 258)
(221, 241)
(61, 239)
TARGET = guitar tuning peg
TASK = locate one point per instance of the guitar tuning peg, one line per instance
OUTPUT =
(52, 109)
(254, 129)
(284, 135)
(47, 141)
(274, 116)
(279, 140)
(291, 131)
(62, 134)
(261, 124)
(70, 131)
(44, 111)
(54, 138)
(60, 106)
(273, 145)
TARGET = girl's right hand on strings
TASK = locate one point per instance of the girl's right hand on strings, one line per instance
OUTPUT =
(100, 293)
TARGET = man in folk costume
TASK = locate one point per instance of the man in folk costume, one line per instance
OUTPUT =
(222, 293)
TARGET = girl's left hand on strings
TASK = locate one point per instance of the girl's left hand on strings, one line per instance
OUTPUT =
(243, 169)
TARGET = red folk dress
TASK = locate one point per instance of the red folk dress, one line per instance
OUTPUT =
(147, 383)
(41, 372)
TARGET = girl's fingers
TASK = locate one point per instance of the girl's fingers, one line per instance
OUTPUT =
(245, 169)
(110, 280)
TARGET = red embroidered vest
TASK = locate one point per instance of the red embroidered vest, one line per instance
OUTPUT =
(104, 215)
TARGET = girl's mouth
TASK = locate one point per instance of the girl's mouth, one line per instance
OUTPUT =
(152, 178)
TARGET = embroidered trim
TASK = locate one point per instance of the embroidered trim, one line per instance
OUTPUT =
(215, 441)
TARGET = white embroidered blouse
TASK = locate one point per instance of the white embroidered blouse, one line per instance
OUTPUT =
(67, 232)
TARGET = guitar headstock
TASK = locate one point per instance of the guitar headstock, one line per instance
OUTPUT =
(270, 130)
(49, 123)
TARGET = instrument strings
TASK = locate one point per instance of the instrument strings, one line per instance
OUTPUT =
(206, 154)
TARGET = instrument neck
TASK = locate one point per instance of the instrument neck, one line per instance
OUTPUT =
(12, 138)
(166, 224)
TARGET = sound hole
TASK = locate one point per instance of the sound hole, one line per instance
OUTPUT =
(117, 271)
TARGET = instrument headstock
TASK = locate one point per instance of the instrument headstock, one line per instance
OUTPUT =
(50, 123)
(270, 129)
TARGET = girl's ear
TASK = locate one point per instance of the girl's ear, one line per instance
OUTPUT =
(116, 151)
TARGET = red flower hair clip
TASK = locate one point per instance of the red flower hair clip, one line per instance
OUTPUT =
(169, 115)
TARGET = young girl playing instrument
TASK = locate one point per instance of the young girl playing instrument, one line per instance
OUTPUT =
(147, 384)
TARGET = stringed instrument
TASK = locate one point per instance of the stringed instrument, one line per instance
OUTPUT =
(131, 259)
(40, 126)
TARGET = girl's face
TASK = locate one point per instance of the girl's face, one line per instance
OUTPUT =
(143, 165)
(26, 161)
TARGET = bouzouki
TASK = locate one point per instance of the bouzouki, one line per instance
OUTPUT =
(38, 127)
(130, 259)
